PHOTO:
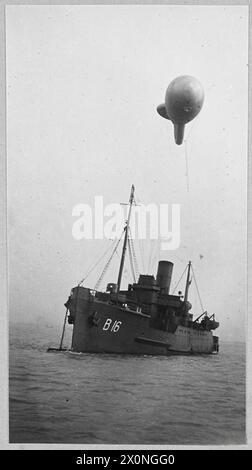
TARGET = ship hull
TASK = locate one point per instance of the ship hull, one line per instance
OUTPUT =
(100, 327)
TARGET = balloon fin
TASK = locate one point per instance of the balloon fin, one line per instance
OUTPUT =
(179, 132)
(161, 109)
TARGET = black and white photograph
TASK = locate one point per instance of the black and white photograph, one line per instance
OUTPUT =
(126, 170)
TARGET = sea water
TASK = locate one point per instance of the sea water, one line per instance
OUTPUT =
(72, 398)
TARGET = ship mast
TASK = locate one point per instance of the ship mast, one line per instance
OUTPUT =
(126, 230)
(188, 282)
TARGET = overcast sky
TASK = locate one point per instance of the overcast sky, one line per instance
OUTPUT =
(83, 83)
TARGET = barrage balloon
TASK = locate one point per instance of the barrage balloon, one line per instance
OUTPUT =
(183, 101)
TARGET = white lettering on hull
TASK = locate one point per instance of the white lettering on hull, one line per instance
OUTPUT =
(109, 325)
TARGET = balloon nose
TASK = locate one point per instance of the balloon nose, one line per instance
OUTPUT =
(179, 129)
(184, 98)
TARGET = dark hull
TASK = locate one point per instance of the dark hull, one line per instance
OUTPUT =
(100, 327)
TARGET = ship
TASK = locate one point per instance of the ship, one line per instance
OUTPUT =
(145, 319)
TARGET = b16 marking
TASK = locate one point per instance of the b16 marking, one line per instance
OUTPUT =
(110, 326)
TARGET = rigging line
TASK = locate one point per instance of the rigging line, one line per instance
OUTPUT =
(191, 128)
(101, 252)
(149, 259)
(179, 280)
(136, 198)
(98, 261)
(155, 257)
(201, 304)
(186, 155)
(138, 202)
(151, 255)
(187, 168)
(125, 268)
(125, 271)
(131, 262)
(141, 249)
(107, 264)
(159, 249)
(133, 252)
